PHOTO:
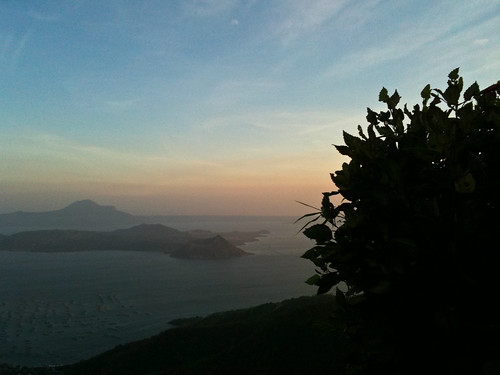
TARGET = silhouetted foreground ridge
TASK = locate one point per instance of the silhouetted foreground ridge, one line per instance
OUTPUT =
(290, 337)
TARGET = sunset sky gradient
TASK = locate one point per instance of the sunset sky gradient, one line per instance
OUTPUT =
(212, 107)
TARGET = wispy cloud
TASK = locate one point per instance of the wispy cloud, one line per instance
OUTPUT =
(5, 45)
(481, 42)
(12, 48)
(291, 129)
(43, 156)
(424, 40)
(355, 14)
(207, 8)
(102, 92)
(20, 47)
(39, 16)
(302, 17)
(121, 104)
(245, 92)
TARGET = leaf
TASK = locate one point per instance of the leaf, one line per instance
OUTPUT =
(472, 91)
(361, 134)
(307, 205)
(452, 93)
(344, 150)
(381, 287)
(344, 206)
(384, 116)
(454, 74)
(371, 133)
(313, 279)
(393, 101)
(327, 282)
(436, 100)
(426, 93)
(327, 208)
(318, 215)
(372, 117)
(340, 298)
(385, 131)
(383, 96)
(319, 232)
(350, 140)
(330, 193)
(307, 215)
(466, 184)
(311, 253)
(325, 201)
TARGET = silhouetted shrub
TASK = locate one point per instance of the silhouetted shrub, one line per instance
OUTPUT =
(415, 235)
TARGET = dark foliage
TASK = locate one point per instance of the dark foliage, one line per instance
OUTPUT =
(414, 238)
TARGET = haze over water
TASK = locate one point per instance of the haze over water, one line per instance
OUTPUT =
(61, 308)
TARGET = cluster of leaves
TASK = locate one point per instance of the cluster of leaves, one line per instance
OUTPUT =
(414, 239)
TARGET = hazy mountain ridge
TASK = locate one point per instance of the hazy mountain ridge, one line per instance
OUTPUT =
(68, 229)
(84, 214)
(90, 216)
(144, 237)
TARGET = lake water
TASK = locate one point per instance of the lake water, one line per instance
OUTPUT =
(61, 308)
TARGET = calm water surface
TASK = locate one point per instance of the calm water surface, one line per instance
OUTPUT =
(61, 308)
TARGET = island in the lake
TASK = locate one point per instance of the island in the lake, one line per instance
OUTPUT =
(198, 244)
(209, 248)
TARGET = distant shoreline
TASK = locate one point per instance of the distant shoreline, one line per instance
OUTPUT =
(197, 244)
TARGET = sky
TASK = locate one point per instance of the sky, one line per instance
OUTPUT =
(212, 107)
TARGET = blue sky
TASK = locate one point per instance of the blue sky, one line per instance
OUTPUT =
(212, 107)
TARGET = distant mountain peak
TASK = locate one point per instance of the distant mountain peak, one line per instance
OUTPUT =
(83, 214)
(84, 202)
(87, 204)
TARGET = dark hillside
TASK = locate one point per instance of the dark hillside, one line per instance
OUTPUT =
(290, 337)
